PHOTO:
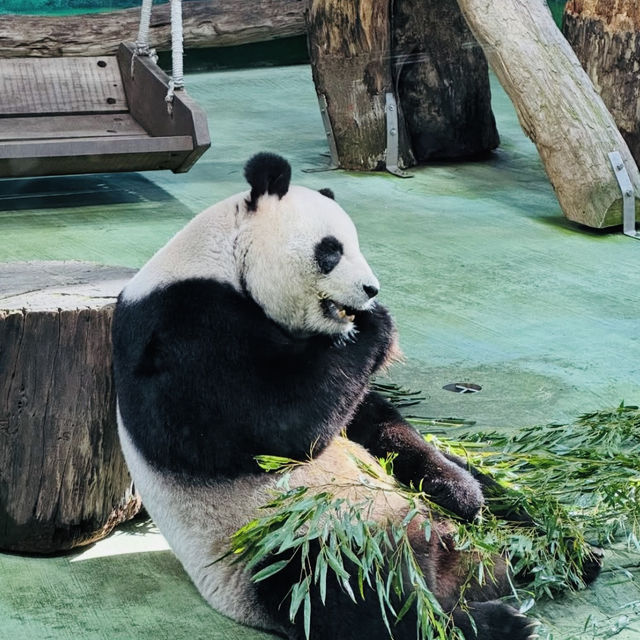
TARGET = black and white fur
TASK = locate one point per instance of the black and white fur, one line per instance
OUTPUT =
(255, 331)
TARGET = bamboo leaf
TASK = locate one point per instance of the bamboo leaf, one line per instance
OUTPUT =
(307, 615)
(269, 570)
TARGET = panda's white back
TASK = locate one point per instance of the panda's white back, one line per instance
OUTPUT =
(203, 248)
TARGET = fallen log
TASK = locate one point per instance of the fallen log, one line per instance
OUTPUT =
(206, 23)
(557, 106)
(606, 38)
(63, 479)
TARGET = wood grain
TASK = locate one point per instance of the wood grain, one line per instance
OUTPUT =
(81, 126)
(606, 38)
(63, 480)
(350, 49)
(206, 23)
(442, 80)
(557, 106)
(54, 86)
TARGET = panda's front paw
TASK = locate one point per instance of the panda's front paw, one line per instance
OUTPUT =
(457, 491)
(376, 329)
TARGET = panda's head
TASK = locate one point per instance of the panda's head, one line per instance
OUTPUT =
(298, 253)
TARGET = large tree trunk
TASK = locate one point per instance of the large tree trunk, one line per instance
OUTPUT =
(606, 39)
(442, 80)
(425, 56)
(63, 479)
(206, 23)
(349, 46)
(557, 106)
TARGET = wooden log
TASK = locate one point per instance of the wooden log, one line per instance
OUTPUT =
(606, 38)
(442, 80)
(206, 23)
(63, 479)
(349, 47)
(557, 106)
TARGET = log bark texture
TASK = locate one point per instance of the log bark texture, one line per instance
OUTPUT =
(605, 34)
(350, 50)
(557, 106)
(442, 81)
(206, 23)
(63, 479)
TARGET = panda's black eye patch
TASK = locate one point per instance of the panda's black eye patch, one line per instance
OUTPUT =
(328, 253)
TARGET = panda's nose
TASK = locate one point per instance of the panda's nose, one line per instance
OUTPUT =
(371, 291)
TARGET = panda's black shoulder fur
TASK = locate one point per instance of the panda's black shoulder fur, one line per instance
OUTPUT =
(206, 381)
(266, 173)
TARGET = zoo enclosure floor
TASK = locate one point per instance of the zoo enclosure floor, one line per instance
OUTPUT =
(488, 282)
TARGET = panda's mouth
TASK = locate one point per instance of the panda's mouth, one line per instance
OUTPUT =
(336, 311)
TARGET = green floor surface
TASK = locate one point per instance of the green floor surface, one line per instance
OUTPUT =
(488, 283)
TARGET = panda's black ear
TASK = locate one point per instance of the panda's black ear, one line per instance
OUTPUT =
(267, 173)
(327, 192)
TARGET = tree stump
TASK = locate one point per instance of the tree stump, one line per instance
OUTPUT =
(442, 80)
(557, 106)
(63, 479)
(606, 38)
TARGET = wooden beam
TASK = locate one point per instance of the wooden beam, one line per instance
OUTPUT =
(557, 106)
(350, 51)
(206, 23)
(442, 80)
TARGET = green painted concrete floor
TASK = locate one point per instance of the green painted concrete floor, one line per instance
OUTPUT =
(488, 283)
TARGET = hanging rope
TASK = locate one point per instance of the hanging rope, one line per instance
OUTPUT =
(177, 73)
(142, 43)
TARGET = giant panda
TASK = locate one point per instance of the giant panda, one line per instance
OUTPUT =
(255, 330)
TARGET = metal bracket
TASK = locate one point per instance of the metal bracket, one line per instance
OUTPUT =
(628, 198)
(391, 111)
(328, 129)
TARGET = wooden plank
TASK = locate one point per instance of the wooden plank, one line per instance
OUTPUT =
(146, 87)
(98, 163)
(82, 126)
(56, 85)
(206, 24)
(94, 146)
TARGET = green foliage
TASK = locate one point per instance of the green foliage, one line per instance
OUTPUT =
(584, 475)
(367, 559)
(576, 482)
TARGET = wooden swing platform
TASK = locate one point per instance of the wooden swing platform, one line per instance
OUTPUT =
(94, 115)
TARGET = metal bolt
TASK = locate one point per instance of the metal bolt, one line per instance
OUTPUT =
(628, 193)
(390, 107)
(392, 132)
(619, 167)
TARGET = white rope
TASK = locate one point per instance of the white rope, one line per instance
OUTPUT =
(177, 72)
(176, 44)
(142, 43)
